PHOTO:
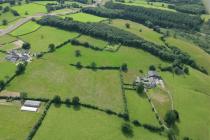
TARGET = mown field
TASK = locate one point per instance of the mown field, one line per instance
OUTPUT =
(83, 17)
(64, 123)
(30, 9)
(14, 124)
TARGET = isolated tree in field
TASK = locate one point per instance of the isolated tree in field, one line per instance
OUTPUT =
(77, 53)
(140, 88)
(51, 48)
(1, 84)
(124, 67)
(171, 117)
(152, 67)
(20, 69)
(127, 130)
(26, 46)
(4, 22)
(127, 25)
(57, 99)
(75, 101)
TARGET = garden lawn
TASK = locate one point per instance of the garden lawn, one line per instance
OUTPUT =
(41, 38)
(66, 123)
(31, 9)
(139, 30)
(25, 28)
(93, 41)
(83, 17)
(14, 124)
(200, 56)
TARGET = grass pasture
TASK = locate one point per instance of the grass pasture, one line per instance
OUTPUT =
(191, 98)
(93, 41)
(62, 79)
(31, 9)
(199, 55)
(7, 69)
(139, 107)
(139, 30)
(66, 123)
(41, 38)
(144, 3)
(25, 29)
(8, 16)
(83, 17)
(6, 39)
(14, 124)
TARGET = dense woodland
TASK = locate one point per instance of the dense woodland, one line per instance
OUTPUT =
(115, 35)
(148, 16)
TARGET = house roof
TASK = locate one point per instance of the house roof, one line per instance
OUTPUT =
(152, 73)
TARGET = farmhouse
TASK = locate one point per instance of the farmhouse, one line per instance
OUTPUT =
(15, 56)
(31, 106)
(151, 80)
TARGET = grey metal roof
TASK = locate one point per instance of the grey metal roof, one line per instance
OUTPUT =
(31, 103)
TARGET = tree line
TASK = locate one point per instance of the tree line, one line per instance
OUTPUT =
(166, 19)
(116, 35)
(52, 6)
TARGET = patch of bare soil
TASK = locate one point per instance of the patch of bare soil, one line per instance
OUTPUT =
(18, 44)
(9, 93)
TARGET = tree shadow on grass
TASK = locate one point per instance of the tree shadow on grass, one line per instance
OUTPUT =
(76, 107)
(57, 105)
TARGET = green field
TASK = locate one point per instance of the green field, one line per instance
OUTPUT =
(31, 9)
(14, 124)
(6, 39)
(93, 41)
(25, 28)
(139, 107)
(139, 30)
(62, 79)
(199, 55)
(7, 68)
(83, 17)
(144, 3)
(190, 99)
(41, 39)
(8, 16)
(66, 123)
